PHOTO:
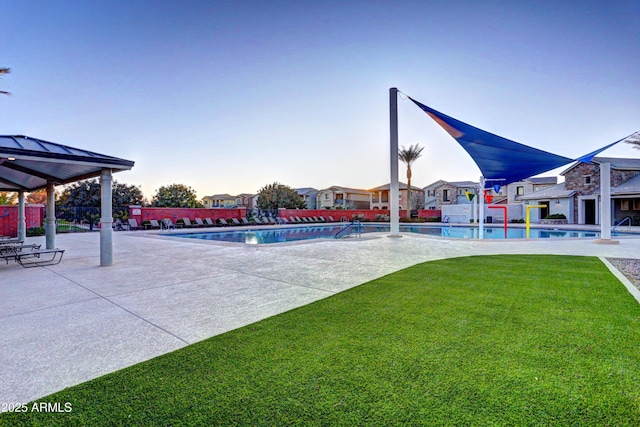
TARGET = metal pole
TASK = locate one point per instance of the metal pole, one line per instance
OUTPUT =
(394, 191)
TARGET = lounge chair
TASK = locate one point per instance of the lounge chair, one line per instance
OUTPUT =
(223, 221)
(209, 222)
(299, 220)
(187, 223)
(39, 258)
(322, 219)
(153, 223)
(199, 222)
(245, 221)
(330, 218)
(258, 220)
(11, 241)
(283, 220)
(316, 219)
(234, 221)
(168, 224)
(133, 224)
(271, 220)
(292, 219)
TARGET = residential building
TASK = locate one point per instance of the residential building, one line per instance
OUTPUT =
(380, 197)
(309, 195)
(336, 197)
(219, 201)
(527, 186)
(578, 197)
(442, 193)
(245, 200)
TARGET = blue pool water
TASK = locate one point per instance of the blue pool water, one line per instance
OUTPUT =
(279, 235)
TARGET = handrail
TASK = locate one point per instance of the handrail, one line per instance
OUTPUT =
(627, 218)
(349, 227)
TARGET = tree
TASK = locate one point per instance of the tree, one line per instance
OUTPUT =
(7, 198)
(408, 156)
(634, 140)
(4, 71)
(276, 195)
(87, 194)
(176, 196)
(37, 197)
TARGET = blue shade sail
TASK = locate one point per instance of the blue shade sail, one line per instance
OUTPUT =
(501, 160)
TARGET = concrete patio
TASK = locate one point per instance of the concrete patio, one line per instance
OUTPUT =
(65, 324)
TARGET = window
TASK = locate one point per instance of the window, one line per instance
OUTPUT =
(624, 205)
(636, 204)
(431, 193)
(587, 179)
(445, 195)
(519, 190)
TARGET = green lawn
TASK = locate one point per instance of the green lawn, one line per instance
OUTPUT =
(493, 340)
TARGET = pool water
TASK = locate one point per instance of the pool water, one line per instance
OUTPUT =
(291, 234)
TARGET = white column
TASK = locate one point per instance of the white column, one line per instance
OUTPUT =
(605, 201)
(106, 219)
(22, 222)
(394, 191)
(481, 209)
(50, 226)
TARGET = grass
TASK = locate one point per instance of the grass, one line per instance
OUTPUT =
(493, 340)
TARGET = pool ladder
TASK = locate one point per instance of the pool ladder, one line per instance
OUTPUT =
(354, 227)
(627, 219)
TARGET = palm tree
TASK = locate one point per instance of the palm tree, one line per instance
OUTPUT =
(408, 156)
(4, 71)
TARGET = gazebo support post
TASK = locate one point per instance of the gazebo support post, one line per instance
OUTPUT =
(394, 187)
(50, 226)
(106, 219)
(22, 222)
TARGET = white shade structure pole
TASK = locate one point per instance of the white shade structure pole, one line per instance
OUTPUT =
(394, 190)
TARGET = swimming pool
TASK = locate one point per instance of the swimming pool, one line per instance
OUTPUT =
(291, 234)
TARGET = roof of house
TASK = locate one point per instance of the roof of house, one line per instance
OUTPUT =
(543, 180)
(631, 186)
(306, 190)
(336, 188)
(220, 197)
(615, 162)
(401, 185)
(457, 184)
(555, 192)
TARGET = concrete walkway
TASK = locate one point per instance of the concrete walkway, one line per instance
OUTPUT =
(65, 324)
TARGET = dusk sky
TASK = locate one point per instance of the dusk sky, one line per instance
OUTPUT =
(227, 96)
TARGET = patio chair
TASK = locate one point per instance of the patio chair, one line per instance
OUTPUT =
(153, 223)
(199, 222)
(133, 224)
(209, 222)
(10, 241)
(322, 219)
(331, 218)
(245, 221)
(283, 220)
(271, 220)
(234, 221)
(223, 222)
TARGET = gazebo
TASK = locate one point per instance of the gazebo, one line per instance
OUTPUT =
(29, 164)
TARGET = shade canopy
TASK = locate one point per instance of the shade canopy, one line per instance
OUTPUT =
(27, 164)
(501, 160)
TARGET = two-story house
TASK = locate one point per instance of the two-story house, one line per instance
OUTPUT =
(380, 197)
(219, 201)
(336, 197)
(309, 195)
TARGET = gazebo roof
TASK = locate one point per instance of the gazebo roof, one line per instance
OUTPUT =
(27, 164)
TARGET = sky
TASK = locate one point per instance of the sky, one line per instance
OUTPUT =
(229, 96)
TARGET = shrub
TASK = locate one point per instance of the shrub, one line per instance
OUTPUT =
(35, 231)
(555, 216)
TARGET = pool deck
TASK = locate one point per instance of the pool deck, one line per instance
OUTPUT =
(65, 324)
